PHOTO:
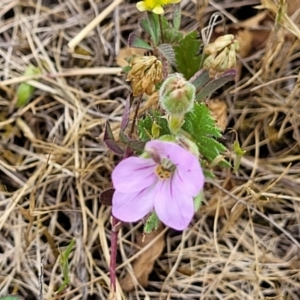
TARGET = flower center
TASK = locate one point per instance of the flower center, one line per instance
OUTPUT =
(165, 169)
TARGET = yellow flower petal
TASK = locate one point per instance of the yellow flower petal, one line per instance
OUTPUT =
(158, 10)
(141, 6)
(165, 2)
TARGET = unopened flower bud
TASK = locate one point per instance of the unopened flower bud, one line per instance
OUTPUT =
(177, 95)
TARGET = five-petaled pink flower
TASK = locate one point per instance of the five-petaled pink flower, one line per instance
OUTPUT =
(166, 183)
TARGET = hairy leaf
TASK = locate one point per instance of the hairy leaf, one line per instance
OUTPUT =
(168, 52)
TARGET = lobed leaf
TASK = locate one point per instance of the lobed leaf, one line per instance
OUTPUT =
(204, 131)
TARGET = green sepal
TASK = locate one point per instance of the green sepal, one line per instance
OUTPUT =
(198, 200)
(145, 126)
(152, 223)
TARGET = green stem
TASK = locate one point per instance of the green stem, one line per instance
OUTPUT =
(161, 29)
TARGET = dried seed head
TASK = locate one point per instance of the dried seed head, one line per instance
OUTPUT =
(145, 73)
(219, 44)
(221, 54)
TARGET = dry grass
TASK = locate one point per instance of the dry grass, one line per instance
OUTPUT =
(243, 245)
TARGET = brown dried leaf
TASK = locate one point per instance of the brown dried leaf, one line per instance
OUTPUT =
(218, 109)
(143, 265)
(292, 7)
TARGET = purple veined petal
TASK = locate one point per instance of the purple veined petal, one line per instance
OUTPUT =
(189, 179)
(172, 207)
(131, 207)
(133, 174)
(178, 155)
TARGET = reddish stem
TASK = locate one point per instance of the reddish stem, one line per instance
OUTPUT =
(114, 230)
(113, 254)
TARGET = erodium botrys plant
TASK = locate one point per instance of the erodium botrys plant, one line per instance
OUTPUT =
(167, 151)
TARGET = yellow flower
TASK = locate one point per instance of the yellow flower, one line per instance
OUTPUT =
(156, 6)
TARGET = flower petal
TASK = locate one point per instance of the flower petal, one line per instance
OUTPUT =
(189, 178)
(172, 151)
(173, 1)
(131, 207)
(133, 174)
(141, 6)
(172, 207)
(158, 10)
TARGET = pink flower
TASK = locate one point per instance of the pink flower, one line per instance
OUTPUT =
(165, 183)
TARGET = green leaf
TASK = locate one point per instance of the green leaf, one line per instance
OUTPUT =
(145, 126)
(153, 27)
(126, 69)
(176, 16)
(187, 58)
(200, 79)
(136, 42)
(204, 131)
(11, 297)
(25, 90)
(64, 265)
(215, 84)
(152, 223)
(171, 35)
(239, 154)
